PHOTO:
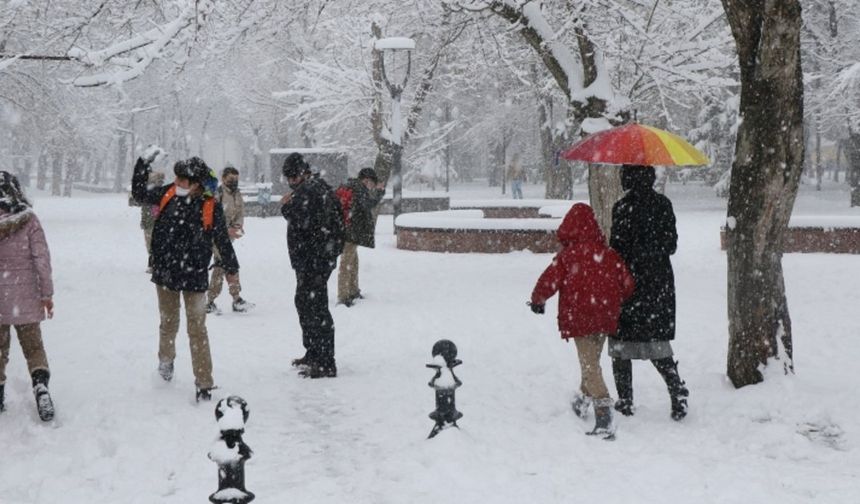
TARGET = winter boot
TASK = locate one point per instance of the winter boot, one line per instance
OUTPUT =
(678, 392)
(2, 392)
(44, 405)
(302, 362)
(622, 371)
(580, 405)
(603, 425)
(242, 306)
(318, 371)
(212, 308)
(204, 394)
(165, 370)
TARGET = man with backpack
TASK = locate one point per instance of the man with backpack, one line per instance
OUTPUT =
(190, 221)
(358, 198)
(315, 240)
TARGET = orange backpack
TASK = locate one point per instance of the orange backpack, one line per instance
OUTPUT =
(208, 208)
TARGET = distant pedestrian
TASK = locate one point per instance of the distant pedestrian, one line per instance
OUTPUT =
(190, 221)
(592, 281)
(230, 197)
(26, 290)
(517, 176)
(315, 239)
(643, 232)
(358, 198)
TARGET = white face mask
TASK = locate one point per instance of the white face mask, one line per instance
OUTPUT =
(182, 191)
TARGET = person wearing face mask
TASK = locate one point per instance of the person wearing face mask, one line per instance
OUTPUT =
(230, 197)
(315, 236)
(190, 222)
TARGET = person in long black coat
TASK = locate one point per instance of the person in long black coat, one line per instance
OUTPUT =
(315, 240)
(644, 233)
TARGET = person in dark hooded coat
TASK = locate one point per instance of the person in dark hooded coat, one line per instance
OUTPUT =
(643, 232)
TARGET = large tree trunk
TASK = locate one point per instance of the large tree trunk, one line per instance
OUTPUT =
(765, 177)
(851, 149)
(56, 173)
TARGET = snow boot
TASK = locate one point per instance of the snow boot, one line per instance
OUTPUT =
(44, 405)
(580, 405)
(2, 393)
(165, 370)
(204, 394)
(622, 371)
(318, 371)
(212, 308)
(603, 425)
(302, 362)
(678, 392)
(242, 306)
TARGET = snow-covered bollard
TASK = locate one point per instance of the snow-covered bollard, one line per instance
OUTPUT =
(230, 452)
(445, 382)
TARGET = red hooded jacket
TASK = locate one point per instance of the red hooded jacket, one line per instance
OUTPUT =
(591, 278)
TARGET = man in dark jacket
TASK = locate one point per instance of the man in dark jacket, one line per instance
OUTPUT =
(643, 232)
(314, 239)
(363, 194)
(188, 224)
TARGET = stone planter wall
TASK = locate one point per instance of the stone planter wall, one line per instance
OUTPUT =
(817, 239)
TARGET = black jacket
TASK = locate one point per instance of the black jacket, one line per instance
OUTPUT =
(314, 227)
(181, 248)
(643, 232)
(361, 228)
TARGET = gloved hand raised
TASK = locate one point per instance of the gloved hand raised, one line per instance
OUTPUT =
(539, 309)
(151, 152)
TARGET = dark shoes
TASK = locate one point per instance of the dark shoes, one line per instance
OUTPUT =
(624, 406)
(242, 306)
(212, 308)
(580, 405)
(165, 370)
(679, 404)
(44, 404)
(316, 371)
(301, 362)
(603, 425)
(204, 394)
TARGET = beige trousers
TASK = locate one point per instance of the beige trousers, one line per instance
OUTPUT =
(195, 313)
(216, 283)
(347, 275)
(30, 338)
(588, 349)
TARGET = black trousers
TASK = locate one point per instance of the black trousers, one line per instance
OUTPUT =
(314, 316)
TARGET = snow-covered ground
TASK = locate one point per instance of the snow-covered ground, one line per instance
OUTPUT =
(123, 436)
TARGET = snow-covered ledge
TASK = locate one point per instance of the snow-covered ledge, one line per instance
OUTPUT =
(469, 231)
(516, 209)
(835, 234)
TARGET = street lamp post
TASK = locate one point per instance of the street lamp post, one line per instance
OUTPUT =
(395, 44)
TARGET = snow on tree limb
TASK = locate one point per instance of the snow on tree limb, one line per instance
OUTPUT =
(147, 47)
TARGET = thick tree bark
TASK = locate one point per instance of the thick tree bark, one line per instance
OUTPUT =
(56, 173)
(851, 150)
(765, 177)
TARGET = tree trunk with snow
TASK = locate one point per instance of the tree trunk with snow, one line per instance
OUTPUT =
(604, 187)
(764, 182)
(56, 173)
(851, 150)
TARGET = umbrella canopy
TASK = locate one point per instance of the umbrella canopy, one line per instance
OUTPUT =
(638, 145)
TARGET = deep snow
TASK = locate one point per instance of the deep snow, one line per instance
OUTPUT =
(123, 436)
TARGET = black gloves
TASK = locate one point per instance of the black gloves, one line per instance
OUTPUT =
(539, 309)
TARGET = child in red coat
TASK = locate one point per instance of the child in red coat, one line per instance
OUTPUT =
(592, 281)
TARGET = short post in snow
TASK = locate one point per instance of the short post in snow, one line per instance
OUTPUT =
(230, 452)
(445, 382)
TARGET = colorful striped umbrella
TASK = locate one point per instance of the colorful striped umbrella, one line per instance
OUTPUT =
(636, 144)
